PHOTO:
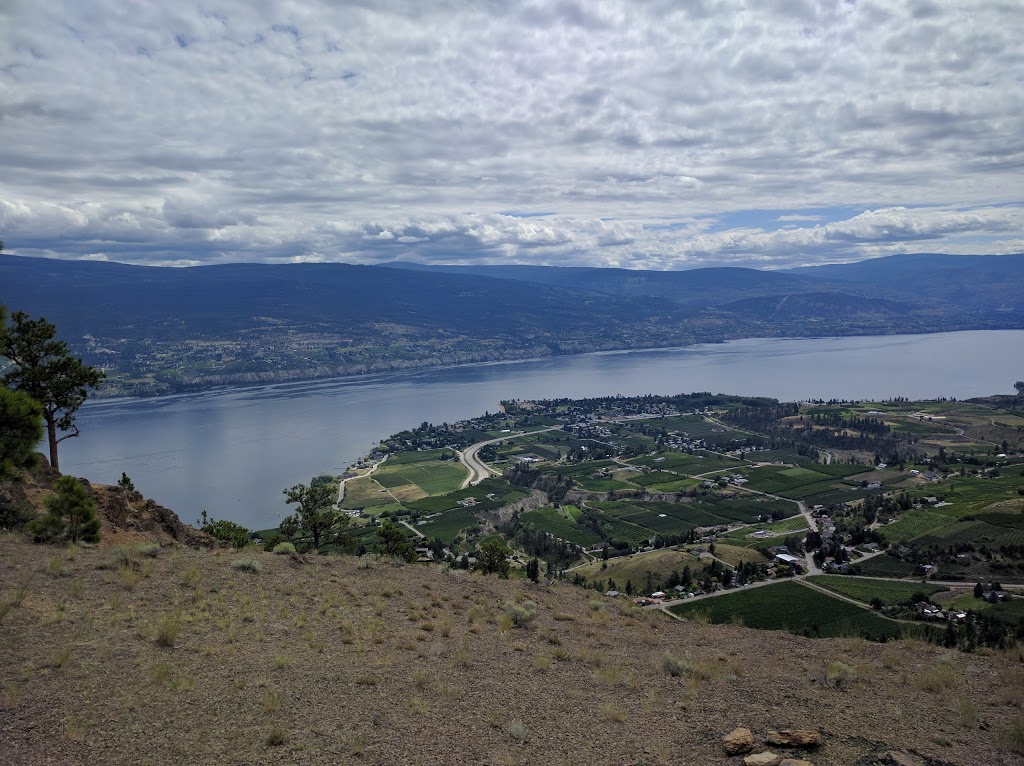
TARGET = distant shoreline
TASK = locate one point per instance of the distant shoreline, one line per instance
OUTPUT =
(281, 377)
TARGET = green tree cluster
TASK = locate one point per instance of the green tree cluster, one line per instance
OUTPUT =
(70, 516)
(394, 543)
(230, 532)
(315, 516)
(492, 558)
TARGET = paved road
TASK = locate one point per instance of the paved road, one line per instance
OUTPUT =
(478, 469)
(343, 482)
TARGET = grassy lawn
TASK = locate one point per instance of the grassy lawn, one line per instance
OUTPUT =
(793, 607)
(865, 589)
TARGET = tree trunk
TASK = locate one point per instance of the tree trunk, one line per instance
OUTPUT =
(51, 436)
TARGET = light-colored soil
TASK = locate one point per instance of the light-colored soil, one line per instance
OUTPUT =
(360, 661)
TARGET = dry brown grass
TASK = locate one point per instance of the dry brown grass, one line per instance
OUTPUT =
(312, 663)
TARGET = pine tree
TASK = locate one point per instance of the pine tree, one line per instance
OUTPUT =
(45, 371)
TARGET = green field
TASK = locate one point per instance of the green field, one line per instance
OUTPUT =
(885, 566)
(422, 469)
(449, 524)
(502, 491)
(865, 589)
(559, 525)
(912, 524)
(634, 569)
(781, 480)
(365, 493)
(688, 464)
(793, 607)
(1010, 612)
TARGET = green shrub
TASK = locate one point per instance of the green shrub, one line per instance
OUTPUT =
(71, 515)
(284, 548)
(152, 550)
(234, 534)
(521, 615)
(14, 514)
(273, 540)
(247, 565)
(675, 666)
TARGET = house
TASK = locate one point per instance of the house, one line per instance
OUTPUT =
(786, 558)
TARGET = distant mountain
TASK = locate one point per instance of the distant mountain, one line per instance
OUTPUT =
(160, 329)
(699, 287)
(979, 284)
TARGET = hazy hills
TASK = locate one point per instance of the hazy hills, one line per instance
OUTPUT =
(254, 322)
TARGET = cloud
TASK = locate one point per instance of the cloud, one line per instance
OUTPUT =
(363, 131)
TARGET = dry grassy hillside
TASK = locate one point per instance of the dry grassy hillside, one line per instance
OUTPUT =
(127, 655)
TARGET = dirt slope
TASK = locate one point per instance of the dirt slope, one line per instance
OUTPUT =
(117, 657)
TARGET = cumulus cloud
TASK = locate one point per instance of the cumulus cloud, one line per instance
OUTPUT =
(621, 133)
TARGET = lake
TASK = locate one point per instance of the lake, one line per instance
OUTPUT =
(233, 451)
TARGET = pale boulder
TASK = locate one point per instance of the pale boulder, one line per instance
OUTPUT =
(738, 741)
(767, 758)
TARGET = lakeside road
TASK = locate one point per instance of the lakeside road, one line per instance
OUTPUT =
(343, 482)
(478, 469)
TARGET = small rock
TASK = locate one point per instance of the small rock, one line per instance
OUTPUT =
(767, 758)
(794, 738)
(795, 762)
(738, 741)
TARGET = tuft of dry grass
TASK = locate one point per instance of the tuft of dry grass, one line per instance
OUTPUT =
(1012, 737)
(271, 700)
(167, 627)
(936, 678)
(57, 567)
(967, 712)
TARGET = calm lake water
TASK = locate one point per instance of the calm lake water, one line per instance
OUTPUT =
(233, 451)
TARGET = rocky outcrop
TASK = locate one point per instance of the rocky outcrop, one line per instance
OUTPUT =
(124, 511)
(536, 499)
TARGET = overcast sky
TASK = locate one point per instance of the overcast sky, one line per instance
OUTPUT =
(663, 135)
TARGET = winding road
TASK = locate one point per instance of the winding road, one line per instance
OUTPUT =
(478, 469)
